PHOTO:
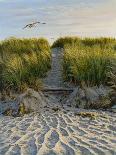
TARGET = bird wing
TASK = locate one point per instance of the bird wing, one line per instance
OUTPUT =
(25, 26)
(37, 22)
(33, 24)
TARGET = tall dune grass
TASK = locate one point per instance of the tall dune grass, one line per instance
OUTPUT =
(112, 81)
(101, 42)
(87, 42)
(87, 60)
(23, 62)
(90, 65)
(61, 42)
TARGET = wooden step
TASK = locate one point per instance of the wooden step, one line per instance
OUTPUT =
(57, 90)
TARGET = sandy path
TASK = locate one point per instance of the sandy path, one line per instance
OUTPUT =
(58, 133)
(54, 78)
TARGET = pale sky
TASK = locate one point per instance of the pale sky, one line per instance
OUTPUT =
(86, 18)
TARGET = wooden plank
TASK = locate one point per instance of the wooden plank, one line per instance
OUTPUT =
(57, 90)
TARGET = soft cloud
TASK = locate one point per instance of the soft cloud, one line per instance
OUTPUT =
(63, 17)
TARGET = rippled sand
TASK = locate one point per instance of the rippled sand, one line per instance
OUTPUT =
(59, 133)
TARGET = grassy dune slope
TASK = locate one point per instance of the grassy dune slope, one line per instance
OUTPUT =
(23, 62)
(87, 60)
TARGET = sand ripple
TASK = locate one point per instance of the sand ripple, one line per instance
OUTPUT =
(58, 134)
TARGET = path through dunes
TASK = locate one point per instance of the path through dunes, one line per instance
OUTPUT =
(53, 131)
(54, 86)
(54, 78)
(60, 133)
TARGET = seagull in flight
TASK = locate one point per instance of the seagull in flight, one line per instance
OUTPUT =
(32, 25)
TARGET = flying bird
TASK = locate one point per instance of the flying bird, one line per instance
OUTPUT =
(32, 24)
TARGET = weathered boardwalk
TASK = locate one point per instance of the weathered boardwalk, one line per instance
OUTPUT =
(54, 78)
(59, 89)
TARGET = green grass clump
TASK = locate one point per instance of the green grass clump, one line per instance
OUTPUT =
(90, 65)
(61, 42)
(23, 62)
(87, 42)
(87, 60)
(101, 42)
(112, 81)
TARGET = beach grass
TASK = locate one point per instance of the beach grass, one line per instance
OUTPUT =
(87, 60)
(23, 62)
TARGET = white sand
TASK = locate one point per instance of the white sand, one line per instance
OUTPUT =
(60, 133)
